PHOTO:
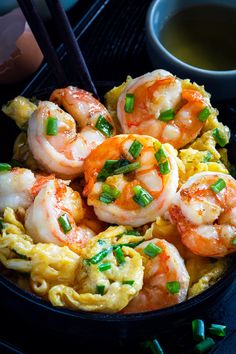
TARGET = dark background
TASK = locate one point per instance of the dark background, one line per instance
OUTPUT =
(112, 37)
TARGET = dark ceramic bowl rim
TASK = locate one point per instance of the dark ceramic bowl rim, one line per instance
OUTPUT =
(142, 316)
(155, 39)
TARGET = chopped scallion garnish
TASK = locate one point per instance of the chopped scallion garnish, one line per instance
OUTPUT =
(207, 157)
(128, 168)
(204, 346)
(1, 225)
(119, 255)
(164, 168)
(218, 185)
(198, 329)
(65, 223)
(4, 167)
(129, 103)
(142, 197)
(135, 148)
(221, 138)
(109, 167)
(100, 256)
(152, 250)
(173, 287)
(154, 346)
(204, 114)
(167, 115)
(52, 126)
(218, 330)
(104, 126)
(131, 244)
(128, 282)
(160, 155)
(109, 194)
(104, 266)
(100, 289)
(233, 242)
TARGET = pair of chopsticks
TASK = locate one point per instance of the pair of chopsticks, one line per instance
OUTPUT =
(78, 65)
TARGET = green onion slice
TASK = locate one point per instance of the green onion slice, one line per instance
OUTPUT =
(204, 346)
(154, 346)
(166, 116)
(104, 126)
(99, 256)
(218, 330)
(109, 167)
(164, 168)
(128, 282)
(100, 289)
(131, 244)
(128, 168)
(104, 266)
(52, 126)
(152, 250)
(204, 114)
(221, 138)
(65, 223)
(173, 287)
(218, 185)
(142, 197)
(198, 329)
(109, 194)
(207, 157)
(1, 225)
(4, 167)
(119, 255)
(129, 103)
(233, 242)
(160, 155)
(135, 148)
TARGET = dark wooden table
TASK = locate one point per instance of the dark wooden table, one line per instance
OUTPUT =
(112, 37)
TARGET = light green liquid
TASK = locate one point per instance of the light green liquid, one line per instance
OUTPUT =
(203, 36)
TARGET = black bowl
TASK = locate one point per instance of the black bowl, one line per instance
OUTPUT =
(107, 327)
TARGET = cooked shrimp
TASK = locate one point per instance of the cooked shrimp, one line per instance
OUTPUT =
(15, 188)
(54, 215)
(205, 214)
(166, 279)
(126, 183)
(64, 150)
(160, 107)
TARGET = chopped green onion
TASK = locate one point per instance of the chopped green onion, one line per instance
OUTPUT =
(119, 255)
(129, 103)
(164, 168)
(128, 168)
(65, 223)
(128, 282)
(142, 197)
(218, 185)
(154, 346)
(100, 289)
(102, 242)
(4, 167)
(160, 155)
(100, 256)
(104, 266)
(104, 126)
(204, 114)
(156, 145)
(109, 167)
(233, 242)
(109, 194)
(207, 157)
(198, 329)
(131, 244)
(173, 287)
(167, 115)
(135, 148)
(52, 126)
(220, 137)
(132, 232)
(204, 346)
(218, 330)
(152, 250)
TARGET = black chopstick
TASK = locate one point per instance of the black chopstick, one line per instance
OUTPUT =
(78, 68)
(75, 55)
(38, 28)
